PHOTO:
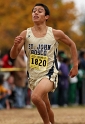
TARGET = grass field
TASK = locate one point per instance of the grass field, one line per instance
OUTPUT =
(66, 115)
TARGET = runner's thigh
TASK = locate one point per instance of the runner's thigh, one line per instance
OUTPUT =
(44, 86)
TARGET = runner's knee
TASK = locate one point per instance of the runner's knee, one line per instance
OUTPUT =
(35, 98)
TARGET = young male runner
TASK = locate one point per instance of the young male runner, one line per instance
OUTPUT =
(41, 47)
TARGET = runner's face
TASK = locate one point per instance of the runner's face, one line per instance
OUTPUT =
(38, 14)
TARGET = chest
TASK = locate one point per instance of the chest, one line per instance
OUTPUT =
(39, 34)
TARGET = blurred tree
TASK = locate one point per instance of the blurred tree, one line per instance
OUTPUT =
(15, 16)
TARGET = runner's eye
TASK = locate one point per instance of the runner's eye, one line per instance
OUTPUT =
(34, 11)
(40, 11)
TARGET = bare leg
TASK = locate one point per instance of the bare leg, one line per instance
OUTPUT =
(37, 98)
(50, 112)
(41, 108)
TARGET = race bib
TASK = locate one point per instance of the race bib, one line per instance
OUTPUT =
(38, 62)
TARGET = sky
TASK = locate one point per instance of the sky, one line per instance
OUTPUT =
(80, 5)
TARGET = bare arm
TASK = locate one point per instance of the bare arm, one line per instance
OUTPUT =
(17, 46)
(59, 35)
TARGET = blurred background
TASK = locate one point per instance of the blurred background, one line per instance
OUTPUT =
(15, 16)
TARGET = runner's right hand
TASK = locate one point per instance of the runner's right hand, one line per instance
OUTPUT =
(18, 40)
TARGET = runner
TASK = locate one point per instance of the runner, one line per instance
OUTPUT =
(41, 48)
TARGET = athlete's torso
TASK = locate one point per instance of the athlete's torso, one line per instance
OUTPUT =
(41, 53)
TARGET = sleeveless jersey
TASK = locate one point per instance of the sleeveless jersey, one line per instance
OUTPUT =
(41, 53)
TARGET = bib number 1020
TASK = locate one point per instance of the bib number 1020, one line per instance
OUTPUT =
(38, 62)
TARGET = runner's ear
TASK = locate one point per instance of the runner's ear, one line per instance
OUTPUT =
(47, 17)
